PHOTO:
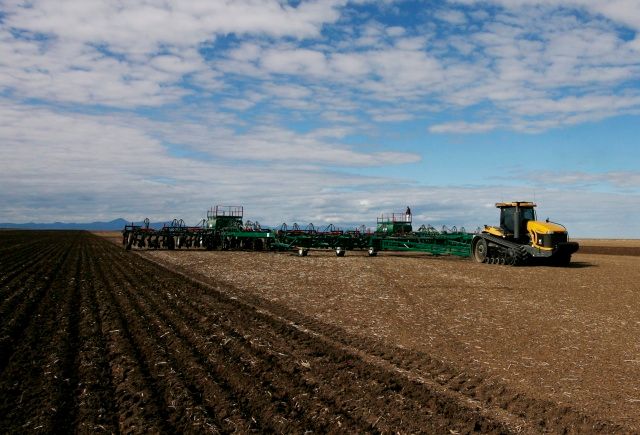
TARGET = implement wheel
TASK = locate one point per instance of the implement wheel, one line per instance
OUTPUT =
(480, 251)
(129, 241)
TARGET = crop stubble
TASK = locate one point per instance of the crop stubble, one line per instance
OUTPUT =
(566, 336)
(96, 339)
(93, 338)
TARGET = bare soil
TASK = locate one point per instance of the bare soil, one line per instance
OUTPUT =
(96, 339)
(610, 247)
(553, 338)
(610, 242)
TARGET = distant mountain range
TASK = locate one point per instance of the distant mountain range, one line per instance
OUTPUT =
(116, 224)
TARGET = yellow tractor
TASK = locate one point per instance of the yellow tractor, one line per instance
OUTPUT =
(521, 238)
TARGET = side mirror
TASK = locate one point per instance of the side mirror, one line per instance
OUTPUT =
(547, 220)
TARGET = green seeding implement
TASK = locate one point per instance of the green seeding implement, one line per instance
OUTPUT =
(224, 229)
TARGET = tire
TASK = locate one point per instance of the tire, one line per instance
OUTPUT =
(302, 252)
(480, 250)
(340, 252)
(562, 260)
(258, 245)
(372, 252)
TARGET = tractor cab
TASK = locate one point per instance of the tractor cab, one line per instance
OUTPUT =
(514, 217)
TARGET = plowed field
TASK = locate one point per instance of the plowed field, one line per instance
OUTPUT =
(96, 339)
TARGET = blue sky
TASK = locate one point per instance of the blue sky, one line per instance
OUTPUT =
(321, 111)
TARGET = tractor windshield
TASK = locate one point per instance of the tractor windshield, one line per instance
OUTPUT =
(506, 218)
(528, 214)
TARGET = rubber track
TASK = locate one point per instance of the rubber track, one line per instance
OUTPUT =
(520, 251)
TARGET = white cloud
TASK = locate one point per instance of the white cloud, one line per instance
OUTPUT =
(274, 144)
(506, 67)
(395, 31)
(339, 117)
(84, 167)
(294, 61)
(81, 74)
(624, 180)
(143, 54)
(451, 16)
(391, 116)
(462, 127)
(181, 24)
(247, 51)
(238, 104)
(626, 12)
(104, 52)
(587, 104)
(291, 91)
(350, 64)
